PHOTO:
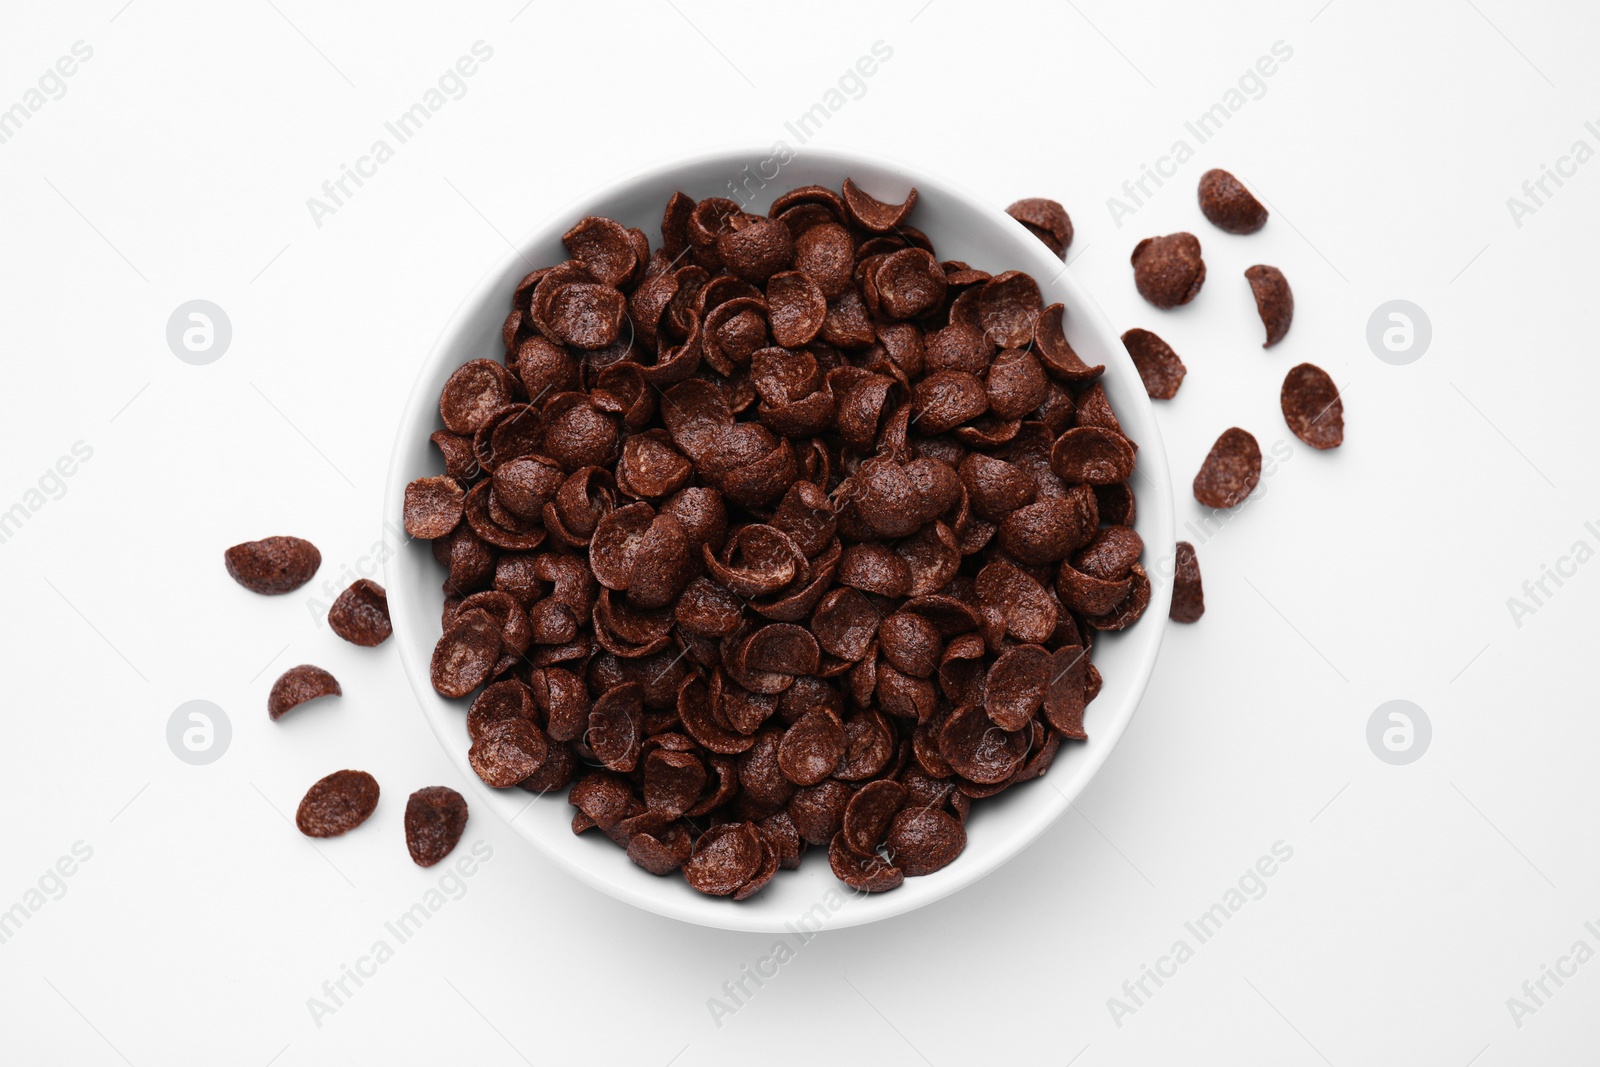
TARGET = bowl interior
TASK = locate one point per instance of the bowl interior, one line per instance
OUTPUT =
(961, 227)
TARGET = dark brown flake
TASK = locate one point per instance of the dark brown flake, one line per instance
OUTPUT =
(1228, 204)
(1188, 595)
(273, 565)
(1312, 407)
(1274, 301)
(1231, 470)
(297, 685)
(360, 614)
(435, 818)
(1158, 365)
(1168, 271)
(337, 804)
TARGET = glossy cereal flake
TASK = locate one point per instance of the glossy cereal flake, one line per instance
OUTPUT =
(1274, 301)
(360, 614)
(337, 804)
(1312, 406)
(1168, 271)
(297, 685)
(1231, 470)
(435, 818)
(274, 565)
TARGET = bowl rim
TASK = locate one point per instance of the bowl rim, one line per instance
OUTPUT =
(1082, 308)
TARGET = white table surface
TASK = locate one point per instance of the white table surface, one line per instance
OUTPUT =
(175, 163)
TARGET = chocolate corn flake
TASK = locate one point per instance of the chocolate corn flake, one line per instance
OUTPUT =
(675, 225)
(650, 467)
(826, 255)
(467, 653)
(755, 247)
(1111, 554)
(1088, 594)
(433, 506)
(1015, 688)
(559, 766)
(474, 392)
(1312, 406)
(846, 624)
(784, 533)
(460, 463)
(979, 750)
(436, 816)
(848, 324)
(1067, 693)
(1092, 455)
(796, 308)
(909, 283)
(661, 854)
(604, 247)
(869, 812)
(274, 565)
(873, 214)
(1008, 306)
(1168, 271)
(1046, 530)
(1231, 470)
(830, 203)
(910, 643)
(508, 751)
(544, 367)
(360, 614)
(1016, 384)
(946, 399)
(1274, 301)
(817, 812)
(812, 747)
(297, 685)
(506, 699)
(1228, 204)
(672, 780)
(922, 840)
(1158, 365)
(616, 727)
(995, 487)
(586, 315)
(337, 804)
(697, 712)
(725, 858)
(1022, 605)
(958, 346)
(1115, 504)
(1130, 608)
(1045, 219)
(1056, 353)
(865, 873)
(785, 839)
(1188, 595)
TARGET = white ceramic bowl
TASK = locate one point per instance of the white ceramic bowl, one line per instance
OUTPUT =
(961, 227)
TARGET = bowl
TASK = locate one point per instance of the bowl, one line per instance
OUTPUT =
(961, 226)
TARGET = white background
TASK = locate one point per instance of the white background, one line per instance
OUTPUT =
(1419, 898)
